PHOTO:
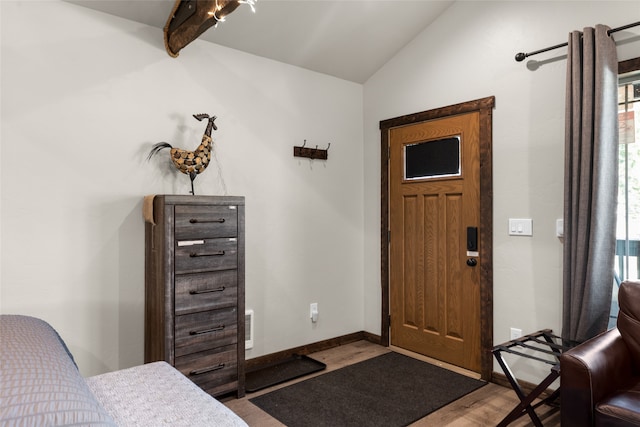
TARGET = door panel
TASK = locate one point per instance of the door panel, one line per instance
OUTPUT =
(434, 294)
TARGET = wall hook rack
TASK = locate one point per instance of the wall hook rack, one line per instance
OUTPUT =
(312, 153)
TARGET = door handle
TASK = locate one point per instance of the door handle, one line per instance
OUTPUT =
(472, 246)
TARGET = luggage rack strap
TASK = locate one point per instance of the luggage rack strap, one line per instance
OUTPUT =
(550, 344)
(528, 356)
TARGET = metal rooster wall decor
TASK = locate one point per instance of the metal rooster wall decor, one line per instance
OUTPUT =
(194, 162)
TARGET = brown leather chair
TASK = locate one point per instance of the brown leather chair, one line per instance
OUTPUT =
(600, 378)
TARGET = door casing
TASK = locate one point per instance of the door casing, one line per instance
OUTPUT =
(485, 108)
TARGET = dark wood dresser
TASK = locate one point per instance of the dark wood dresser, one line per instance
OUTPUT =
(194, 288)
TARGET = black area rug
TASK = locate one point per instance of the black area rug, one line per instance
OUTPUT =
(387, 391)
(284, 370)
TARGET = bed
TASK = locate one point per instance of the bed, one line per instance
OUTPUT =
(40, 384)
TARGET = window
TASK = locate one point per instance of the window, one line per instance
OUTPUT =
(432, 159)
(627, 259)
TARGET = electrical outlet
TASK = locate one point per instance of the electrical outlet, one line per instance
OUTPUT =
(313, 312)
(516, 333)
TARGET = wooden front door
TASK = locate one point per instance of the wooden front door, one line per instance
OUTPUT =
(435, 251)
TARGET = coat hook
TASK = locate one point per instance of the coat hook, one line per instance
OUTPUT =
(312, 153)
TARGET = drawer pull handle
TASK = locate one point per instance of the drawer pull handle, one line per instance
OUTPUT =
(207, 331)
(207, 291)
(205, 370)
(197, 221)
(216, 253)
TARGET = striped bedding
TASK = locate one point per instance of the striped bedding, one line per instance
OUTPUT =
(40, 385)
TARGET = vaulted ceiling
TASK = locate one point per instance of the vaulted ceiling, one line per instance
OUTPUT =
(348, 39)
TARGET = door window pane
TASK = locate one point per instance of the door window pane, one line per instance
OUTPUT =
(432, 159)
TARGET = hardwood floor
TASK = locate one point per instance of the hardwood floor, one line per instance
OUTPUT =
(486, 406)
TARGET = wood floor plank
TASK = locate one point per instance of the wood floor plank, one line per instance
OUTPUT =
(486, 406)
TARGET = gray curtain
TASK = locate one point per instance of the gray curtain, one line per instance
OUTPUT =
(590, 184)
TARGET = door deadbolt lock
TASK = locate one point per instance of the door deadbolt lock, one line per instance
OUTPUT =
(472, 262)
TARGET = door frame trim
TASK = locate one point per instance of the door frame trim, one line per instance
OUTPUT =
(484, 107)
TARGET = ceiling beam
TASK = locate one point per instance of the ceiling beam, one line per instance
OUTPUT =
(190, 18)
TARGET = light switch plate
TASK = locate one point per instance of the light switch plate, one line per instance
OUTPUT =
(520, 227)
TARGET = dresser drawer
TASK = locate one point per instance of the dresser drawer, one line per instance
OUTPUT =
(205, 291)
(206, 255)
(215, 371)
(198, 222)
(205, 330)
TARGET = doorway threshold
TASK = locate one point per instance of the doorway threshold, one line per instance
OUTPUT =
(436, 362)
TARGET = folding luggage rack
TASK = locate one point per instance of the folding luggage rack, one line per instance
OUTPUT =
(536, 345)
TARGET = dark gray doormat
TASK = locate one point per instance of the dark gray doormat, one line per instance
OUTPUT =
(391, 390)
(294, 367)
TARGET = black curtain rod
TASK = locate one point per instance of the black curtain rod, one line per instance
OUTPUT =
(521, 56)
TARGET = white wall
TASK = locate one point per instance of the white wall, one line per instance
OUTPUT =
(468, 53)
(85, 95)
